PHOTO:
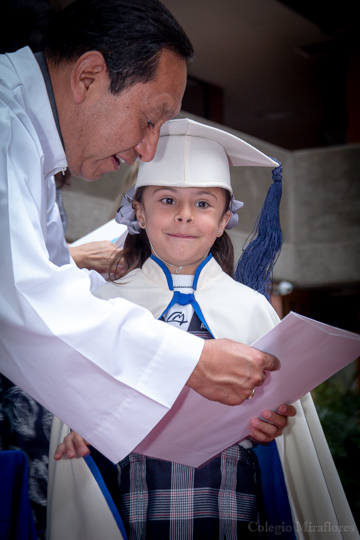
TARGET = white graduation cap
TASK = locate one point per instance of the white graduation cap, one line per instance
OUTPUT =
(191, 154)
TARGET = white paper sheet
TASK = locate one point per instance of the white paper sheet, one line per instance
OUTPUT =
(111, 230)
(195, 429)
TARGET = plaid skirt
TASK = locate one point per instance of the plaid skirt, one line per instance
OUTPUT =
(160, 500)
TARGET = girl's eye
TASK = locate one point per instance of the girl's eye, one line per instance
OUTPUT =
(202, 204)
(168, 200)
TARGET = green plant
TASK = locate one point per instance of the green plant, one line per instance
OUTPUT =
(338, 405)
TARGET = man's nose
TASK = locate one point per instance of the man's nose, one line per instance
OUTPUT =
(146, 148)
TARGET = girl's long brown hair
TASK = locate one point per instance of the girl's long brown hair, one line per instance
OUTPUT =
(137, 248)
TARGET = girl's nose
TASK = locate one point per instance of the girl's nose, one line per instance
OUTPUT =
(184, 215)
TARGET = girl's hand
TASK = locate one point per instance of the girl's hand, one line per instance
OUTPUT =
(265, 431)
(72, 446)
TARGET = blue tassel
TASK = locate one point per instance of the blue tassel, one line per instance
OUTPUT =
(255, 266)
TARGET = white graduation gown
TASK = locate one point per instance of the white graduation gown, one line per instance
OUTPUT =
(102, 367)
(319, 507)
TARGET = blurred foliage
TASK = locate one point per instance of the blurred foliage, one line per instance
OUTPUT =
(338, 405)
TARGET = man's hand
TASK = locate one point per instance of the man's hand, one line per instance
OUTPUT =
(228, 371)
(94, 255)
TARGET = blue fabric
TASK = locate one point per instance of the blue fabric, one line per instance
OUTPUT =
(165, 270)
(181, 298)
(184, 299)
(257, 261)
(100, 480)
(168, 273)
(198, 271)
(16, 520)
(25, 425)
(276, 503)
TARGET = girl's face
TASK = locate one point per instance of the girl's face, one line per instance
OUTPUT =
(182, 223)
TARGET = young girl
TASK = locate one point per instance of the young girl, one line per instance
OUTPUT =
(178, 262)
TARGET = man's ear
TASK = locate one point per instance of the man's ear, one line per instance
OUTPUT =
(88, 70)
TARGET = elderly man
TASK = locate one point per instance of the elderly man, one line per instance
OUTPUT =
(111, 74)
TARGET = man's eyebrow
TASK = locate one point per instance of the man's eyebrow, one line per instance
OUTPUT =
(165, 111)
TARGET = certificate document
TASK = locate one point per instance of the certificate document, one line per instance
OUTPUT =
(196, 429)
(112, 231)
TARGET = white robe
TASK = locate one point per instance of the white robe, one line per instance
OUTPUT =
(102, 367)
(318, 503)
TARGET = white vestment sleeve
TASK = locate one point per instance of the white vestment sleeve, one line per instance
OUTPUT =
(107, 369)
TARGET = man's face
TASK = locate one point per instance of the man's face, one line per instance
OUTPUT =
(107, 129)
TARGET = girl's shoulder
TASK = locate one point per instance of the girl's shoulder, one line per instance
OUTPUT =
(119, 287)
(220, 296)
(212, 276)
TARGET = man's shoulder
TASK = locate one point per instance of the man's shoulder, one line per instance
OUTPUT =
(12, 66)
